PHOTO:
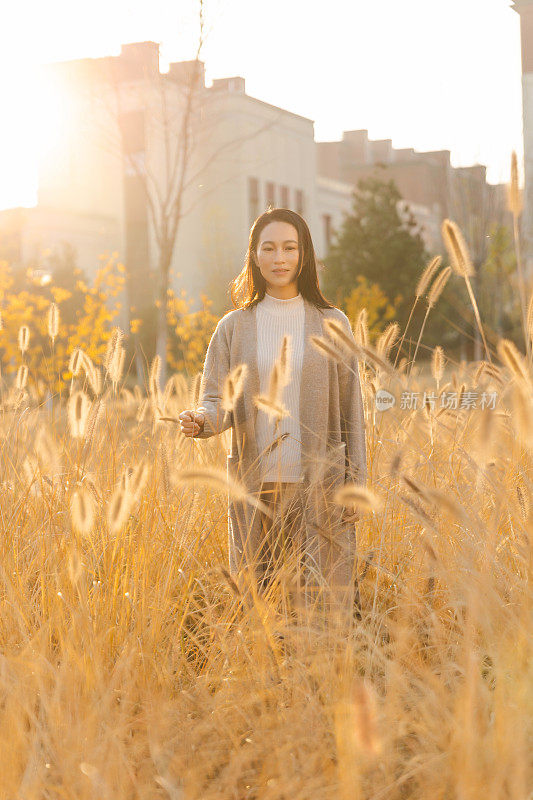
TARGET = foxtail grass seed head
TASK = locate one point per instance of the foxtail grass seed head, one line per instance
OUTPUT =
(74, 566)
(285, 359)
(413, 485)
(94, 375)
(522, 418)
(357, 497)
(154, 388)
(118, 509)
(530, 318)
(369, 355)
(523, 500)
(30, 470)
(326, 349)
(437, 363)
(274, 384)
(230, 580)
(155, 376)
(195, 390)
(94, 417)
(91, 772)
(387, 339)
(142, 412)
(457, 249)
(165, 468)
(139, 479)
(53, 321)
(78, 410)
(115, 341)
(427, 275)
(395, 463)
(233, 386)
(275, 411)
(361, 328)
(514, 196)
(494, 373)
(218, 479)
(344, 340)
(22, 376)
(82, 511)
(513, 360)
(125, 478)
(116, 365)
(478, 373)
(168, 391)
(438, 285)
(446, 503)
(76, 361)
(24, 338)
(275, 444)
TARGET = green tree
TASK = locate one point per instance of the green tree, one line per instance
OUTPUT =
(377, 242)
(498, 291)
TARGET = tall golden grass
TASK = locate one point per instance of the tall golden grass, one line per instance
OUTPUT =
(131, 667)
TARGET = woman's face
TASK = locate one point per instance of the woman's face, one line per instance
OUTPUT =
(277, 258)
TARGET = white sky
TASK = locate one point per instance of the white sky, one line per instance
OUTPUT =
(426, 74)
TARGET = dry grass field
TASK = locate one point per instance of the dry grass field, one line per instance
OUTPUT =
(130, 667)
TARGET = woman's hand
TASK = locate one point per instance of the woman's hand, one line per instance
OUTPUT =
(191, 422)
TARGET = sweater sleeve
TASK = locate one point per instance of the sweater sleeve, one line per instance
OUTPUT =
(215, 371)
(352, 415)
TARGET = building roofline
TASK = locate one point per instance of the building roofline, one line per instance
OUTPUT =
(518, 4)
(214, 91)
(331, 183)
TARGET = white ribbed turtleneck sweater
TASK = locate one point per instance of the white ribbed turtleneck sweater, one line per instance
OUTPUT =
(275, 318)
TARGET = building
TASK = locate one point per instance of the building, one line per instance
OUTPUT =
(104, 187)
(433, 188)
(525, 9)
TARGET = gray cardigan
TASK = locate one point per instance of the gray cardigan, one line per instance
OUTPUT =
(332, 435)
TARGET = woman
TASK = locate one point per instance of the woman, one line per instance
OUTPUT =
(293, 460)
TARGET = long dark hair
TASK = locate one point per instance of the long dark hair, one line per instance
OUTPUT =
(249, 287)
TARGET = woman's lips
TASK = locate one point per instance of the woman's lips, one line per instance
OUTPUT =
(280, 270)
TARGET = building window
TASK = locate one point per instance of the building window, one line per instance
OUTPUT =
(327, 229)
(284, 191)
(253, 199)
(270, 198)
(299, 201)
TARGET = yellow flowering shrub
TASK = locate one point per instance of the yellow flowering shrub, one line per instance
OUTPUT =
(190, 333)
(24, 302)
(370, 296)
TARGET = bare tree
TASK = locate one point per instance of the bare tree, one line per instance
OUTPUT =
(162, 131)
